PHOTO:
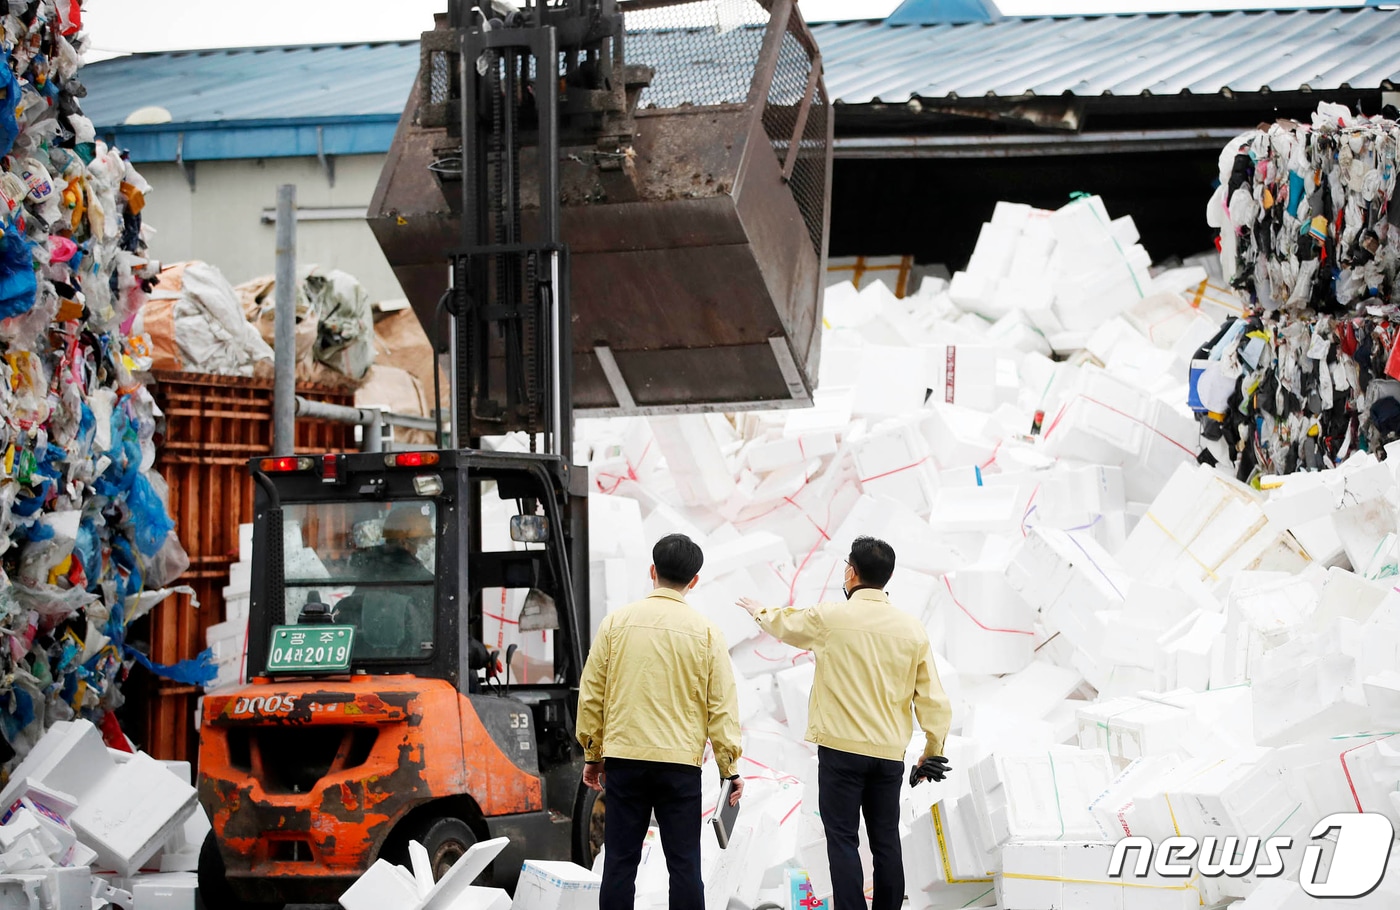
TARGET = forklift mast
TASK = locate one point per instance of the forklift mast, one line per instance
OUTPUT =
(512, 65)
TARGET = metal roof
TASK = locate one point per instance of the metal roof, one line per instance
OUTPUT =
(1086, 56)
(260, 83)
(345, 99)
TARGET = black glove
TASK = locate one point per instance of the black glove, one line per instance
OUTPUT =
(934, 768)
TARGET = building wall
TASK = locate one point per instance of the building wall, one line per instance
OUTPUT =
(220, 221)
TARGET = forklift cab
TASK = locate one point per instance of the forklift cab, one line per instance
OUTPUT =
(418, 624)
(403, 546)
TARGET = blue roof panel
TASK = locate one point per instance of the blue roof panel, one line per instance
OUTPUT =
(257, 90)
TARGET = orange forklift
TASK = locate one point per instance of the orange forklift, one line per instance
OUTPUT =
(692, 190)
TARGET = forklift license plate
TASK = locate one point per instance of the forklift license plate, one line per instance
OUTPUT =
(310, 649)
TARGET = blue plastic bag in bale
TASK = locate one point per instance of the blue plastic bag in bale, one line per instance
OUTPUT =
(129, 579)
(149, 523)
(18, 283)
(9, 122)
(194, 672)
(88, 552)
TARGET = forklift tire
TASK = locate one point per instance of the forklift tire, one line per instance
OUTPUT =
(590, 813)
(213, 893)
(446, 839)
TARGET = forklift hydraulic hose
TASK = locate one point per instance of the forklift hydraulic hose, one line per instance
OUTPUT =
(262, 480)
(272, 561)
(442, 303)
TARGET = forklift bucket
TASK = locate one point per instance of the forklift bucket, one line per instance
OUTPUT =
(697, 253)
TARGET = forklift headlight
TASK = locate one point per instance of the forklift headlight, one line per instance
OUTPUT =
(529, 528)
(428, 485)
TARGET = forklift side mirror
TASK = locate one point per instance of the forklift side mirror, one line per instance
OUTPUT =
(529, 529)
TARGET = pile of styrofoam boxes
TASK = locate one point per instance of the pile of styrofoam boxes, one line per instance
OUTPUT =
(1134, 642)
(86, 827)
(228, 640)
(541, 886)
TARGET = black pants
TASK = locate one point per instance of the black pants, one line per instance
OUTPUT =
(847, 785)
(635, 789)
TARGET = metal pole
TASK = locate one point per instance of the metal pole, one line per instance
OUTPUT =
(285, 343)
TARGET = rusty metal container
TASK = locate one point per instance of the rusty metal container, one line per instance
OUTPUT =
(213, 425)
(697, 267)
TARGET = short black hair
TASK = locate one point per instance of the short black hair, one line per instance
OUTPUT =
(873, 561)
(677, 559)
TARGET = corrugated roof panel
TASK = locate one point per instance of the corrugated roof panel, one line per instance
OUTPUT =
(1157, 54)
(255, 84)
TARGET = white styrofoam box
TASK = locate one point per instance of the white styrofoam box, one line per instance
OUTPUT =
(1040, 795)
(1187, 652)
(991, 257)
(382, 885)
(956, 436)
(1202, 523)
(923, 873)
(891, 381)
(738, 870)
(616, 522)
(1074, 582)
(1383, 697)
(743, 551)
(165, 890)
(1030, 693)
(1142, 776)
(1310, 697)
(798, 448)
(181, 851)
(236, 605)
(658, 523)
(988, 508)
(22, 891)
(58, 838)
(693, 458)
(67, 888)
(1058, 874)
(24, 844)
(1364, 528)
(717, 599)
(1130, 728)
(546, 885)
(1165, 318)
(965, 858)
(1019, 332)
(806, 520)
(1105, 421)
(245, 542)
(454, 889)
(1015, 215)
(240, 576)
(987, 624)
(964, 375)
(70, 758)
(131, 812)
(1149, 611)
(893, 463)
(795, 690)
(973, 293)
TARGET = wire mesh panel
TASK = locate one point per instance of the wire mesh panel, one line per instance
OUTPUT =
(796, 110)
(703, 52)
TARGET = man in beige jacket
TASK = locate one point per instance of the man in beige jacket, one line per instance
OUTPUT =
(657, 685)
(873, 664)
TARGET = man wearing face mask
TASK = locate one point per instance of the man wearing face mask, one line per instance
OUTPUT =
(873, 664)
